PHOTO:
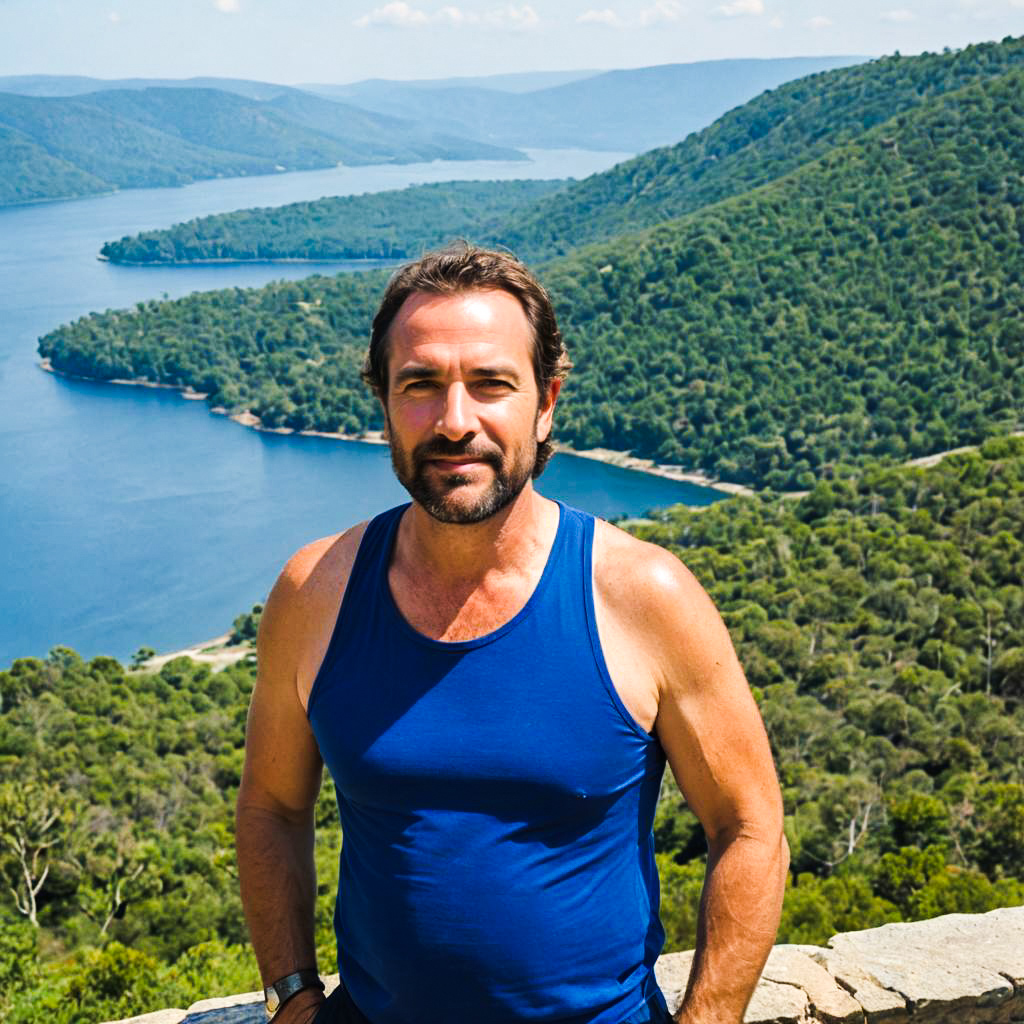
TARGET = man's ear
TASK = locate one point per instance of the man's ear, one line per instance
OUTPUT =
(384, 433)
(546, 412)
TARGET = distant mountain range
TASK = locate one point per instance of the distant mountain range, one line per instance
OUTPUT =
(62, 137)
(625, 111)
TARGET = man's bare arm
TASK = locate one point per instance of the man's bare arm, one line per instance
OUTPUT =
(280, 783)
(716, 745)
(709, 725)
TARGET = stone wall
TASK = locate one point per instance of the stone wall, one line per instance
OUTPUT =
(959, 969)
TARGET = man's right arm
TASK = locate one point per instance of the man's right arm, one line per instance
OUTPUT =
(282, 773)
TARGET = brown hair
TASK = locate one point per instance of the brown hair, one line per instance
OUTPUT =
(465, 268)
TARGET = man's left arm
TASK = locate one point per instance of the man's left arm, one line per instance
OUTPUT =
(715, 743)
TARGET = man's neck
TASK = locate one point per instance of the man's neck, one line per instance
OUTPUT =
(456, 553)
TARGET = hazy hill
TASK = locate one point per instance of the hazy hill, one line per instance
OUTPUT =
(115, 151)
(868, 305)
(152, 137)
(76, 85)
(30, 173)
(518, 81)
(631, 110)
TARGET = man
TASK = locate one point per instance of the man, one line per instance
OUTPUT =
(495, 682)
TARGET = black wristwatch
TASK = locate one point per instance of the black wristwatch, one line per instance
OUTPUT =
(276, 995)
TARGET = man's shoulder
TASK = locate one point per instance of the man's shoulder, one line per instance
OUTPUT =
(644, 581)
(307, 595)
(323, 562)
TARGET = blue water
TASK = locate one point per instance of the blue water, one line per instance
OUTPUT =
(130, 517)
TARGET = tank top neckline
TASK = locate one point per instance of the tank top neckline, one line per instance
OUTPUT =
(388, 602)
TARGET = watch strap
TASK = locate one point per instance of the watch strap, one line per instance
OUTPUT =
(279, 992)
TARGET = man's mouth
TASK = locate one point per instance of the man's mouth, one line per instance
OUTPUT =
(457, 467)
(456, 461)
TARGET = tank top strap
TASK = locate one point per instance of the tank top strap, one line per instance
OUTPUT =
(360, 592)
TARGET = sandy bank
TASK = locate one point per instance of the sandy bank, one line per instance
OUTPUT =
(216, 653)
(626, 461)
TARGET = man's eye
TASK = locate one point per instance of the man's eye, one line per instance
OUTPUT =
(494, 383)
(420, 385)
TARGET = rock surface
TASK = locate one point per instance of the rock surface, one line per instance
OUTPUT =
(958, 969)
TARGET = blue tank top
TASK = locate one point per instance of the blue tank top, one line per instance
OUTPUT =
(496, 802)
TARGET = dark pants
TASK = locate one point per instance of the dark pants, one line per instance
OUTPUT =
(339, 1009)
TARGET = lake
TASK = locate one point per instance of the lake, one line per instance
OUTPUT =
(132, 517)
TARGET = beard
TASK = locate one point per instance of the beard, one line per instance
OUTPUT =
(446, 497)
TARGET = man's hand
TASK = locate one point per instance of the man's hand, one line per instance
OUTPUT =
(302, 1008)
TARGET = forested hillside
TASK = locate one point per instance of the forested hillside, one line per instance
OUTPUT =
(157, 137)
(376, 225)
(881, 624)
(868, 305)
(759, 142)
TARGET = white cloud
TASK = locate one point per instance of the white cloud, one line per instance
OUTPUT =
(227, 6)
(902, 14)
(776, 23)
(737, 8)
(113, 17)
(819, 21)
(662, 11)
(395, 15)
(399, 14)
(521, 19)
(604, 17)
(1017, 3)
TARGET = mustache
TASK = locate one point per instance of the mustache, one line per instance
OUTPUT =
(443, 447)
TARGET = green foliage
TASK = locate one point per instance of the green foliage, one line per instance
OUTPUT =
(377, 225)
(866, 615)
(246, 627)
(681, 886)
(817, 908)
(123, 785)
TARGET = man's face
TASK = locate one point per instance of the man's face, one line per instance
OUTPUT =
(463, 411)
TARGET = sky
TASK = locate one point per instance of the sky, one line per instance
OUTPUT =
(295, 41)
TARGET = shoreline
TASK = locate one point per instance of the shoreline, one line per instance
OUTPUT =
(378, 262)
(216, 653)
(669, 472)
(623, 460)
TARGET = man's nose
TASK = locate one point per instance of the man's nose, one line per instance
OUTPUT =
(456, 418)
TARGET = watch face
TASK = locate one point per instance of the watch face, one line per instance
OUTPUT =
(272, 999)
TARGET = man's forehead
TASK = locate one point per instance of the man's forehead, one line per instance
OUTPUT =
(487, 312)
